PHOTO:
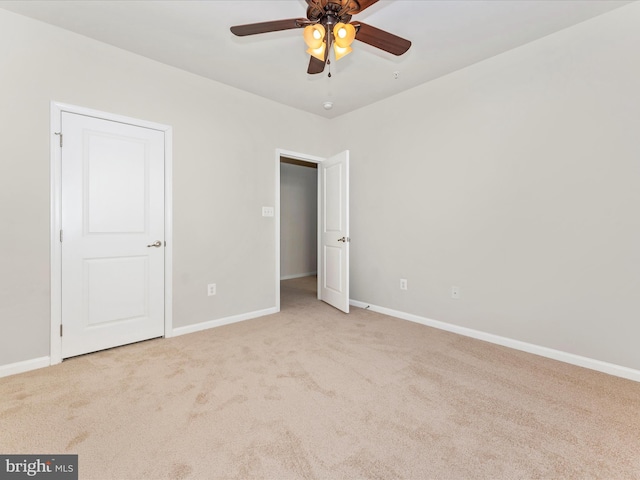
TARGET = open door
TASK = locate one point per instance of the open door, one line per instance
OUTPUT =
(333, 258)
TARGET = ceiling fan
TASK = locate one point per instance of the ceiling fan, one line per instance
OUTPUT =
(328, 24)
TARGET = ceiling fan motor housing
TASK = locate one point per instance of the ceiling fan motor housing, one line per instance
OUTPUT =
(330, 12)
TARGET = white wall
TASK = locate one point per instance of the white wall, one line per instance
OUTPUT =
(224, 145)
(518, 180)
(298, 220)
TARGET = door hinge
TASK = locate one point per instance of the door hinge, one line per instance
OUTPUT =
(60, 135)
(60, 236)
(60, 329)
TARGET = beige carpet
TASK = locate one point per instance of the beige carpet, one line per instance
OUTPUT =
(313, 393)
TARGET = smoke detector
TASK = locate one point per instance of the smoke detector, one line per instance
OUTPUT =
(327, 105)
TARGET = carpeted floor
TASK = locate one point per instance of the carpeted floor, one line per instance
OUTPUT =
(313, 393)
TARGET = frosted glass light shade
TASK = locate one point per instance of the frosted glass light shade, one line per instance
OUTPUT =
(317, 52)
(314, 35)
(344, 34)
(340, 51)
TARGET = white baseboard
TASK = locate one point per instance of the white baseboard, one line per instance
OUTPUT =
(198, 327)
(25, 366)
(298, 275)
(35, 363)
(600, 366)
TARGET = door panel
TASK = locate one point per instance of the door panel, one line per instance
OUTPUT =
(332, 279)
(123, 278)
(116, 171)
(112, 209)
(334, 231)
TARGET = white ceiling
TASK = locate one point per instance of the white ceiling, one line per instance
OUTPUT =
(194, 35)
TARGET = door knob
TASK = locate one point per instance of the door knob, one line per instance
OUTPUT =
(156, 244)
(344, 239)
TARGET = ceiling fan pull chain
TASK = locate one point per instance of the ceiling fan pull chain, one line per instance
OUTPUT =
(329, 63)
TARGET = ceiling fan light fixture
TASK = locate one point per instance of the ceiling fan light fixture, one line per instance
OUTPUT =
(314, 36)
(344, 34)
(340, 51)
(318, 52)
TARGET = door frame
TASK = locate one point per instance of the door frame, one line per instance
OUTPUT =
(306, 158)
(57, 108)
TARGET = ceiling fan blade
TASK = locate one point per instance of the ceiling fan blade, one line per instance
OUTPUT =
(380, 39)
(265, 27)
(316, 66)
(363, 5)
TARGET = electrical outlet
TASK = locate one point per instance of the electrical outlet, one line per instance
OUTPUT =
(455, 292)
(268, 211)
(211, 289)
(403, 284)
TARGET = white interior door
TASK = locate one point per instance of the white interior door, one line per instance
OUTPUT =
(334, 231)
(112, 209)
